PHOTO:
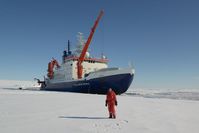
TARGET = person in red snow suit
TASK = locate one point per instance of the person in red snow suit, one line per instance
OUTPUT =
(111, 101)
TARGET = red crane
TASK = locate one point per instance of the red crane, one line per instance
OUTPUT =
(83, 53)
(51, 66)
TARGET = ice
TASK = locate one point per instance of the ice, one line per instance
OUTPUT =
(16, 84)
(186, 94)
(23, 111)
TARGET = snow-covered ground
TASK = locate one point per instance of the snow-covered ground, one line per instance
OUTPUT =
(26, 111)
(18, 84)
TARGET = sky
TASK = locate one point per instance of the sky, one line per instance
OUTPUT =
(159, 37)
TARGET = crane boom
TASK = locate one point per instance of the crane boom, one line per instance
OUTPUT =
(83, 53)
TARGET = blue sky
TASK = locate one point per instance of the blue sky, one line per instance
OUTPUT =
(160, 37)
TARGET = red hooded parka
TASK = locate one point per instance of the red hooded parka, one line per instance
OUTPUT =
(111, 101)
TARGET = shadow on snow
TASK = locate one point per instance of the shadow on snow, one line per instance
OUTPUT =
(82, 117)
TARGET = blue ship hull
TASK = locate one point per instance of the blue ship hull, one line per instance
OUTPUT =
(119, 83)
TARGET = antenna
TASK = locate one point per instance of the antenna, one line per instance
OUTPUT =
(69, 52)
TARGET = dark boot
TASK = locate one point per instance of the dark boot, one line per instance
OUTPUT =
(110, 115)
(114, 116)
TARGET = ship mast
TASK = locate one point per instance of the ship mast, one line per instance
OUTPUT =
(83, 53)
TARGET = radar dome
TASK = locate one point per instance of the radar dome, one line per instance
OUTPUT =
(87, 54)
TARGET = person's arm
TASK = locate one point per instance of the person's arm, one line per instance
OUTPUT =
(106, 102)
(115, 99)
